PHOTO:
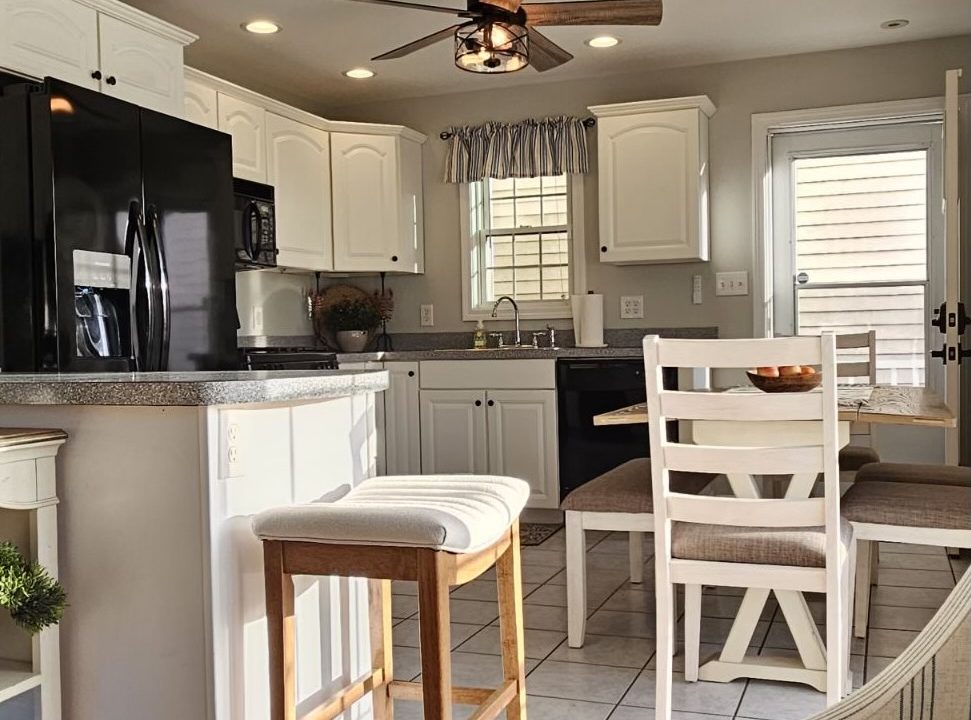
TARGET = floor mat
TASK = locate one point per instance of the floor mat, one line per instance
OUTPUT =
(536, 533)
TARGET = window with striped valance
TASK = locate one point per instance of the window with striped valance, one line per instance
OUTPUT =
(527, 149)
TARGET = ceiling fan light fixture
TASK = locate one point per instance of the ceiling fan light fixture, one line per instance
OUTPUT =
(603, 41)
(261, 27)
(494, 46)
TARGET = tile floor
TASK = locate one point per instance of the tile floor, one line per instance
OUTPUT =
(612, 676)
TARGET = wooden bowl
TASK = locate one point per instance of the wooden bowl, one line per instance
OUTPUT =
(790, 383)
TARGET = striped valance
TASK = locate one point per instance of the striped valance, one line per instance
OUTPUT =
(531, 148)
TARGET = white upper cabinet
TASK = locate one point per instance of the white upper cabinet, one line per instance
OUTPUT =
(653, 180)
(57, 38)
(247, 124)
(378, 211)
(200, 104)
(141, 67)
(298, 167)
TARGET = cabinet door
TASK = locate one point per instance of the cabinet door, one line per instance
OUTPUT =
(522, 441)
(402, 436)
(411, 237)
(453, 432)
(298, 167)
(141, 67)
(651, 187)
(247, 125)
(57, 38)
(366, 220)
(200, 104)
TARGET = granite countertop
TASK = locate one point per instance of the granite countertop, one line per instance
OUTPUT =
(490, 354)
(187, 388)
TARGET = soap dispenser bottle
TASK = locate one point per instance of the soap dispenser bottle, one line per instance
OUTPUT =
(479, 339)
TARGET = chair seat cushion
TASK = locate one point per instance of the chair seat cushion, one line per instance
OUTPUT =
(799, 547)
(942, 507)
(853, 457)
(628, 489)
(926, 474)
(456, 513)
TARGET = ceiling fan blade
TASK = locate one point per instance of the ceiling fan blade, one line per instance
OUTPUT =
(418, 44)
(544, 54)
(507, 5)
(417, 6)
(595, 12)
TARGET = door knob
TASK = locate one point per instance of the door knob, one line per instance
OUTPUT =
(111, 80)
(492, 403)
(478, 403)
(394, 258)
(603, 248)
(96, 74)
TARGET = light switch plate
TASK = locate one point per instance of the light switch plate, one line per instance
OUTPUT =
(427, 315)
(696, 297)
(631, 307)
(258, 319)
(731, 283)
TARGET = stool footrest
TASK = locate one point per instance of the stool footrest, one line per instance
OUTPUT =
(490, 699)
(342, 700)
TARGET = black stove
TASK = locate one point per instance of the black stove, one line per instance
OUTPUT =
(289, 358)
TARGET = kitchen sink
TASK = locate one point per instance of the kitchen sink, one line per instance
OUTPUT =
(504, 348)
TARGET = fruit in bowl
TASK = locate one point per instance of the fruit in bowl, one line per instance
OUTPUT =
(785, 378)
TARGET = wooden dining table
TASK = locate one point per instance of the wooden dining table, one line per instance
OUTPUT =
(879, 405)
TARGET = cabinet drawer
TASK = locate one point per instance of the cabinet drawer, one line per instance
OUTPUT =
(18, 482)
(488, 374)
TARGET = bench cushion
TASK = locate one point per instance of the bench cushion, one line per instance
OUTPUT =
(920, 505)
(799, 547)
(456, 513)
(853, 457)
(628, 489)
(926, 474)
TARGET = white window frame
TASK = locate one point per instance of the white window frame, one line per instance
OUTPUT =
(528, 309)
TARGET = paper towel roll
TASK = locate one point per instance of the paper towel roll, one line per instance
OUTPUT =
(588, 320)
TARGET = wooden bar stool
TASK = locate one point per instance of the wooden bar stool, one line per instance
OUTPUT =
(437, 530)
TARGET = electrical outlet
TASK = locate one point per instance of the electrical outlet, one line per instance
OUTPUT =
(731, 283)
(257, 319)
(631, 307)
(427, 315)
(696, 290)
(232, 444)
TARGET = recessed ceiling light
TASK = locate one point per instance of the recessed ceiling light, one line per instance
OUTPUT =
(603, 41)
(359, 73)
(895, 24)
(261, 27)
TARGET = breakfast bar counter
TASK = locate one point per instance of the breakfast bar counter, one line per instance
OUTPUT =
(163, 574)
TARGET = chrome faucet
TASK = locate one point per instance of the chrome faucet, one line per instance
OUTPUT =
(515, 309)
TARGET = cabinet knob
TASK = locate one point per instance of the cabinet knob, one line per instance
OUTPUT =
(411, 373)
(491, 403)
(96, 75)
(394, 258)
(478, 403)
(111, 80)
(603, 248)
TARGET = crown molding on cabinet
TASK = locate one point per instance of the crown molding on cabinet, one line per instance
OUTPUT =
(692, 102)
(141, 19)
(302, 116)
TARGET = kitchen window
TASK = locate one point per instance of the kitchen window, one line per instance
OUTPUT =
(858, 239)
(522, 237)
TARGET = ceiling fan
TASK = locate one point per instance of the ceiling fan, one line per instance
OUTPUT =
(500, 35)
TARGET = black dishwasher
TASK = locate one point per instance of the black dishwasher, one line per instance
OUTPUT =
(588, 387)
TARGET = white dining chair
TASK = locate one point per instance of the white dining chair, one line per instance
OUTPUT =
(861, 452)
(789, 545)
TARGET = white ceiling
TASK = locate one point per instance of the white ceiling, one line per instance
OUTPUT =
(321, 38)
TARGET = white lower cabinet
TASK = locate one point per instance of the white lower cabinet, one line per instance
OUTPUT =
(453, 432)
(402, 425)
(522, 441)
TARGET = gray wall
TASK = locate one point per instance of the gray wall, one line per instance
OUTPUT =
(739, 89)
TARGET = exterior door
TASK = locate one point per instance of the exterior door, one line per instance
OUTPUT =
(522, 441)
(366, 219)
(298, 167)
(247, 125)
(57, 38)
(453, 433)
(402, 420)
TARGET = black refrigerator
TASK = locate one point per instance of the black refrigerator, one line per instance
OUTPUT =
(116, 236)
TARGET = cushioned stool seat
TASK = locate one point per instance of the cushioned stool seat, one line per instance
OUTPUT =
(799, 547)
(627, 489)
(925, 474)
(854, 457)
(455, 513)
(944, 507)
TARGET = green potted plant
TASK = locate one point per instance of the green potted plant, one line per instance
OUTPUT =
(352, 321)
(32, 597)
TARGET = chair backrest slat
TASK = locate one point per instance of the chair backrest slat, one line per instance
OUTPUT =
(745, 460)
(863, 368)
(676, 405)
(739, 353)
(747, 512)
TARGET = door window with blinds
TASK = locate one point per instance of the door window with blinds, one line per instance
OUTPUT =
(519, 243)
(858, 239)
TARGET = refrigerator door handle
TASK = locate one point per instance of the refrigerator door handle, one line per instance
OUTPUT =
(135, 250)
(165, 310)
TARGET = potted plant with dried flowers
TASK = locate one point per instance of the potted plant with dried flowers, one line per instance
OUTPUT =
(353, 321)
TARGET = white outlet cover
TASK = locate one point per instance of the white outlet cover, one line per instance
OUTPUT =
(427, 315)
(632, 307)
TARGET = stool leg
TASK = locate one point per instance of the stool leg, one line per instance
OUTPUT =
(379, 605)
(510, 586)
(280, 627)
(434, 635)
